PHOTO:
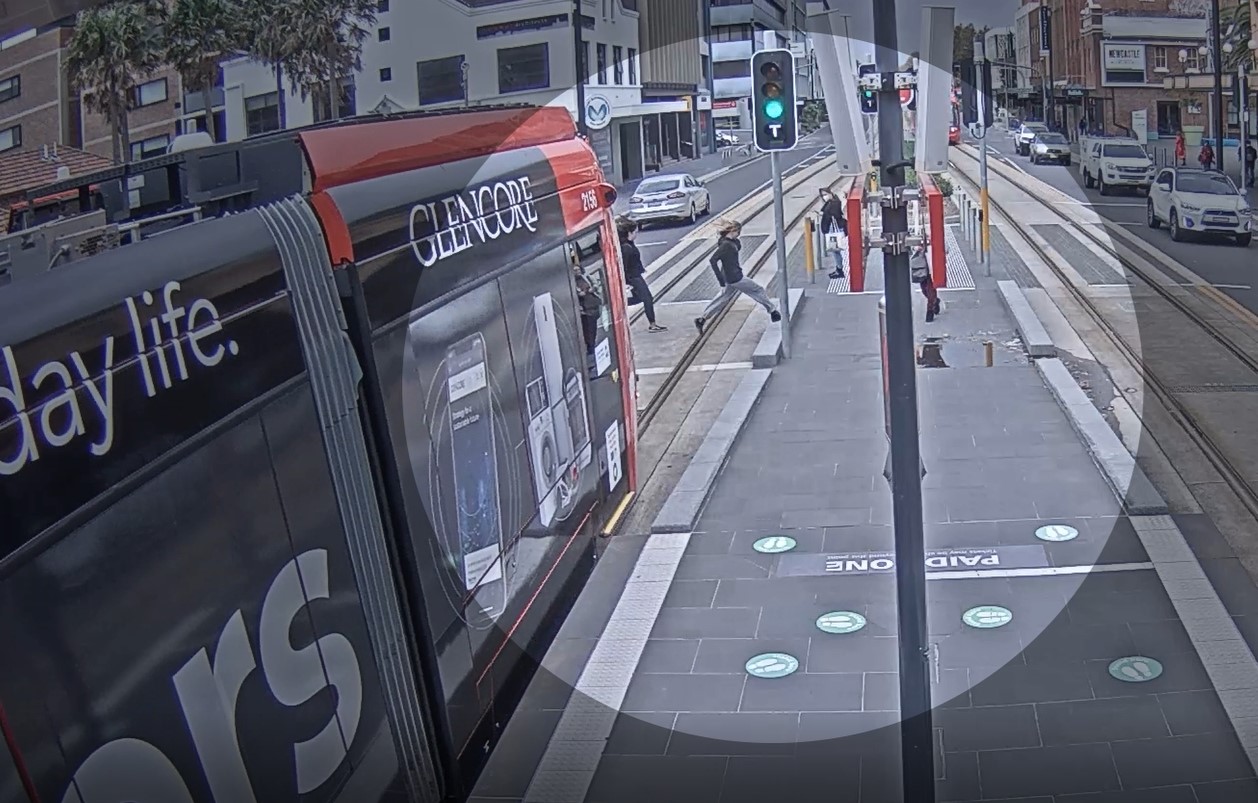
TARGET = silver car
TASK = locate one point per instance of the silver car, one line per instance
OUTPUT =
(677, 196)
(1050, 146)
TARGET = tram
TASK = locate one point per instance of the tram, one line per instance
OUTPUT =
(304, 445)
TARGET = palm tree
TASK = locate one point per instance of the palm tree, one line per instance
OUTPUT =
(198, 33)
(114, 46)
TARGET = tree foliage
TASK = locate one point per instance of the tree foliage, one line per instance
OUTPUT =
(114, 47)
(198, 34)
(1237, 28)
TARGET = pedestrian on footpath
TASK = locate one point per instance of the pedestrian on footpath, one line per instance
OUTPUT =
(635, 273)
(729, 274)
(1181, 149)
(833, 223)
(1206, 157)
(919, 270)
(1251, 157)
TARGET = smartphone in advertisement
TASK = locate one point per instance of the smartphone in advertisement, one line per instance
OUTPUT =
(574, 392)
(475, 463)
(553, 373)
(542, 447)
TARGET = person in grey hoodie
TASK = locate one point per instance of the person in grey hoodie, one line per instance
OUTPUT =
(729, 274)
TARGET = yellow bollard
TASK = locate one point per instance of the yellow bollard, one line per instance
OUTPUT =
(809, 256)
(986, 223)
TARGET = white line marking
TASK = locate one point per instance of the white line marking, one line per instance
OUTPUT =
(701, 369)
(1048, 571)
(1233, 286)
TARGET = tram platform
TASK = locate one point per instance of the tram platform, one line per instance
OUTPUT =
(1084, 654)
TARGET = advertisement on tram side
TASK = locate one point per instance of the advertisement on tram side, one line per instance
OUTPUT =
(495, 406)
(185, 610)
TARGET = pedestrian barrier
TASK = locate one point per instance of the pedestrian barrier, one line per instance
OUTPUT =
(855, 236)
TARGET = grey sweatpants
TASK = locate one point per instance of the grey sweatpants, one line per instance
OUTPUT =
(745, 286)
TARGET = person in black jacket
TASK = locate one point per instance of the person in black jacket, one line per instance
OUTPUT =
(729, 274)
(833, 222)
(635, 273)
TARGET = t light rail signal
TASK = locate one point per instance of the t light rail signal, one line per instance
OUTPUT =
(774, 107)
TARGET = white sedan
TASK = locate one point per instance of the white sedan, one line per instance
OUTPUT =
(1206, 202)
(678, 196)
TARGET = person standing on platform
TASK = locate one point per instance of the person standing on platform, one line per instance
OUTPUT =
(919, 270)
(833, 222)
(729, 274)
(635, 273)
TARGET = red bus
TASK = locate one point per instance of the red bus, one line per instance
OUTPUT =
(293, 495)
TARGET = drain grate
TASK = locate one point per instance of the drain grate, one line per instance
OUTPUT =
(1215, 389)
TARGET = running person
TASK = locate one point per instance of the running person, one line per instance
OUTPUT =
(729, 274)
(635, 273)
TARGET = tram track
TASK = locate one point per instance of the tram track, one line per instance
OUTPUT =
(660, 397)
(1215, 453)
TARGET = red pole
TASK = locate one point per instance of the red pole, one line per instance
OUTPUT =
(935, 222)
(855, 236)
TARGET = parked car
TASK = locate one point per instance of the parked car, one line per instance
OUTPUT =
(1027, 135)
(1107, 163)
(676, 196)
(1050, 146)
(1204, 202)
(726, 138)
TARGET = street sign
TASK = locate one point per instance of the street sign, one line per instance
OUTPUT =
(840, 622)
(987, 617)
(1135, 669)
(772, 665)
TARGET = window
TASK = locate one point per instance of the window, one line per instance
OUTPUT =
(618, 65)
(731, 69)
(10, 138)
(383, 34)
(10, 87)
(731, 33)
(602, 63)
(633, 67)
(523, 68)
(1192, 60)
(382, 7)
(585, 62)
(149, 93)
(262, 113)
(386, 74)
(153, 146)
(441, 80)
(344, 101)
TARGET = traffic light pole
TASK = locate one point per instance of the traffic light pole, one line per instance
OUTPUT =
(980, 56)
(779, 223)
(916, 727)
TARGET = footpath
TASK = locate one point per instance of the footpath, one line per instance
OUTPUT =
(1081, 654)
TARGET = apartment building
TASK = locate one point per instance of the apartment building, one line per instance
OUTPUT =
(1111, 64)
(674, 56)
(738, 29)
(1027, 98)
(38, 108)
(998, 45)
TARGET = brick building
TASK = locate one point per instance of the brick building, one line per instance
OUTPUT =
(38, 108)
(1110, 60)
(31, 169)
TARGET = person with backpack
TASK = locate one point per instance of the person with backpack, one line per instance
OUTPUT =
(833, 222)
(729, 274)
(1206, 157)
(1251, 157)
(635, 273)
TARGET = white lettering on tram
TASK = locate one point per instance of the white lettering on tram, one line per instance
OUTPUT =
(442, 228)
(64, 400)
(129, 770)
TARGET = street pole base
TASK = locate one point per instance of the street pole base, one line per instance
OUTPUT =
(886, 469)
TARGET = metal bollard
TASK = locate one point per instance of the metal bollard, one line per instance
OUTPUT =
(810, 255)
(988, 356)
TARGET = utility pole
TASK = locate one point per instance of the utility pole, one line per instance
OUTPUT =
(579, 66)
(916, 730)
(980, 72)
(1220, 111)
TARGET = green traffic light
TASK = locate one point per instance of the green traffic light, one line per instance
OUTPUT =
(773, 109)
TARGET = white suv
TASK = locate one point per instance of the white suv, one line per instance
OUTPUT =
(1108, 163)
(1205, 202)
(1027, 135)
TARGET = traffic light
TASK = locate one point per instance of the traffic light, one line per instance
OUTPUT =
(869, 97)
(969, 75)
(774, 114)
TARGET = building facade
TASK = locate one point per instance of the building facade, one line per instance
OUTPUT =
(674, 53)
(739, 27)
(1110, 65)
